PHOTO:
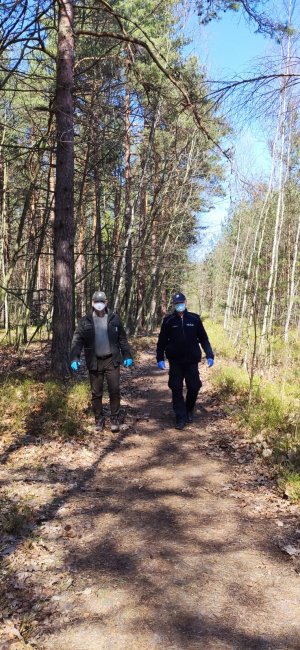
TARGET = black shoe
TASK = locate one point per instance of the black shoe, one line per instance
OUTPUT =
(115, 424)
(180, 423)
(100, 423)
(190, 417)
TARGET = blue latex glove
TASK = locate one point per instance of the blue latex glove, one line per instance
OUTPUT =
(75, 365)
(161, 365)
(127, 363)
(210, 363)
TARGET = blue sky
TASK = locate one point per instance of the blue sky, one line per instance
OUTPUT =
(228, 47)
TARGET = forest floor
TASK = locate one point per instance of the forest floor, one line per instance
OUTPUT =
(149, 538)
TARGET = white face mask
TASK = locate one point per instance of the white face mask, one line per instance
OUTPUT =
(99, 306)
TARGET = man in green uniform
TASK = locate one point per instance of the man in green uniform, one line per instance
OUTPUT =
(103, 337)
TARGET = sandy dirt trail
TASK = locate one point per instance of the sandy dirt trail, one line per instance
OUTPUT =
(170, 541)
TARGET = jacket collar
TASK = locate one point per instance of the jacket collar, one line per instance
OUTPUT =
(178, 315)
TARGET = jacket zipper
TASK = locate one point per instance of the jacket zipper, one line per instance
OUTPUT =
(183, 334)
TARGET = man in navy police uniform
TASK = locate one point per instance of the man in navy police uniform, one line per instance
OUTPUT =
(179, 338)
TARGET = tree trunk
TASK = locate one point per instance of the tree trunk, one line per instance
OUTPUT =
(258, 240)
(281, 224)
(63, 311)
(4, 242)
(292, 295)
(128, 212)
(230, 292)
(115, 244)
(267, 324)
(80, 264)
(98, 226)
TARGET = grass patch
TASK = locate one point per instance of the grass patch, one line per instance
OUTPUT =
(230, 380)
(17, 398)
(14, 516)
(15, 335)
(289, 483)
(272, 417)
(220, 342)
(50, 408)
(61, 411)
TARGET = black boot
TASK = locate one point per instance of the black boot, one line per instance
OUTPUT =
(115, 423)
(190, 416)
(100, 423)
(180, 422)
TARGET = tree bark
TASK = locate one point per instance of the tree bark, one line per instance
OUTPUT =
(63, 244)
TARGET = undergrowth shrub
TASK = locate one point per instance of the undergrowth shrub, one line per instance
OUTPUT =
(272, 416)
(231, 380)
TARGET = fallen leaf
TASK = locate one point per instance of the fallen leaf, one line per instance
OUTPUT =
(279, 523)
(291, 550)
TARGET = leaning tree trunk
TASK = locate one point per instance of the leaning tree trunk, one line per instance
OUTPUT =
(63, 307)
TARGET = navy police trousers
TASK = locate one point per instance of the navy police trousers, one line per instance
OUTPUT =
(178, 373)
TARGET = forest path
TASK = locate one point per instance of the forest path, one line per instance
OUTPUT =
(169, 540)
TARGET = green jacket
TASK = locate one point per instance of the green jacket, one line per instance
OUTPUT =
(84, 337)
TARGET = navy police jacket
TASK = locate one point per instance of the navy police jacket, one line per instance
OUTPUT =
(179, 339)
